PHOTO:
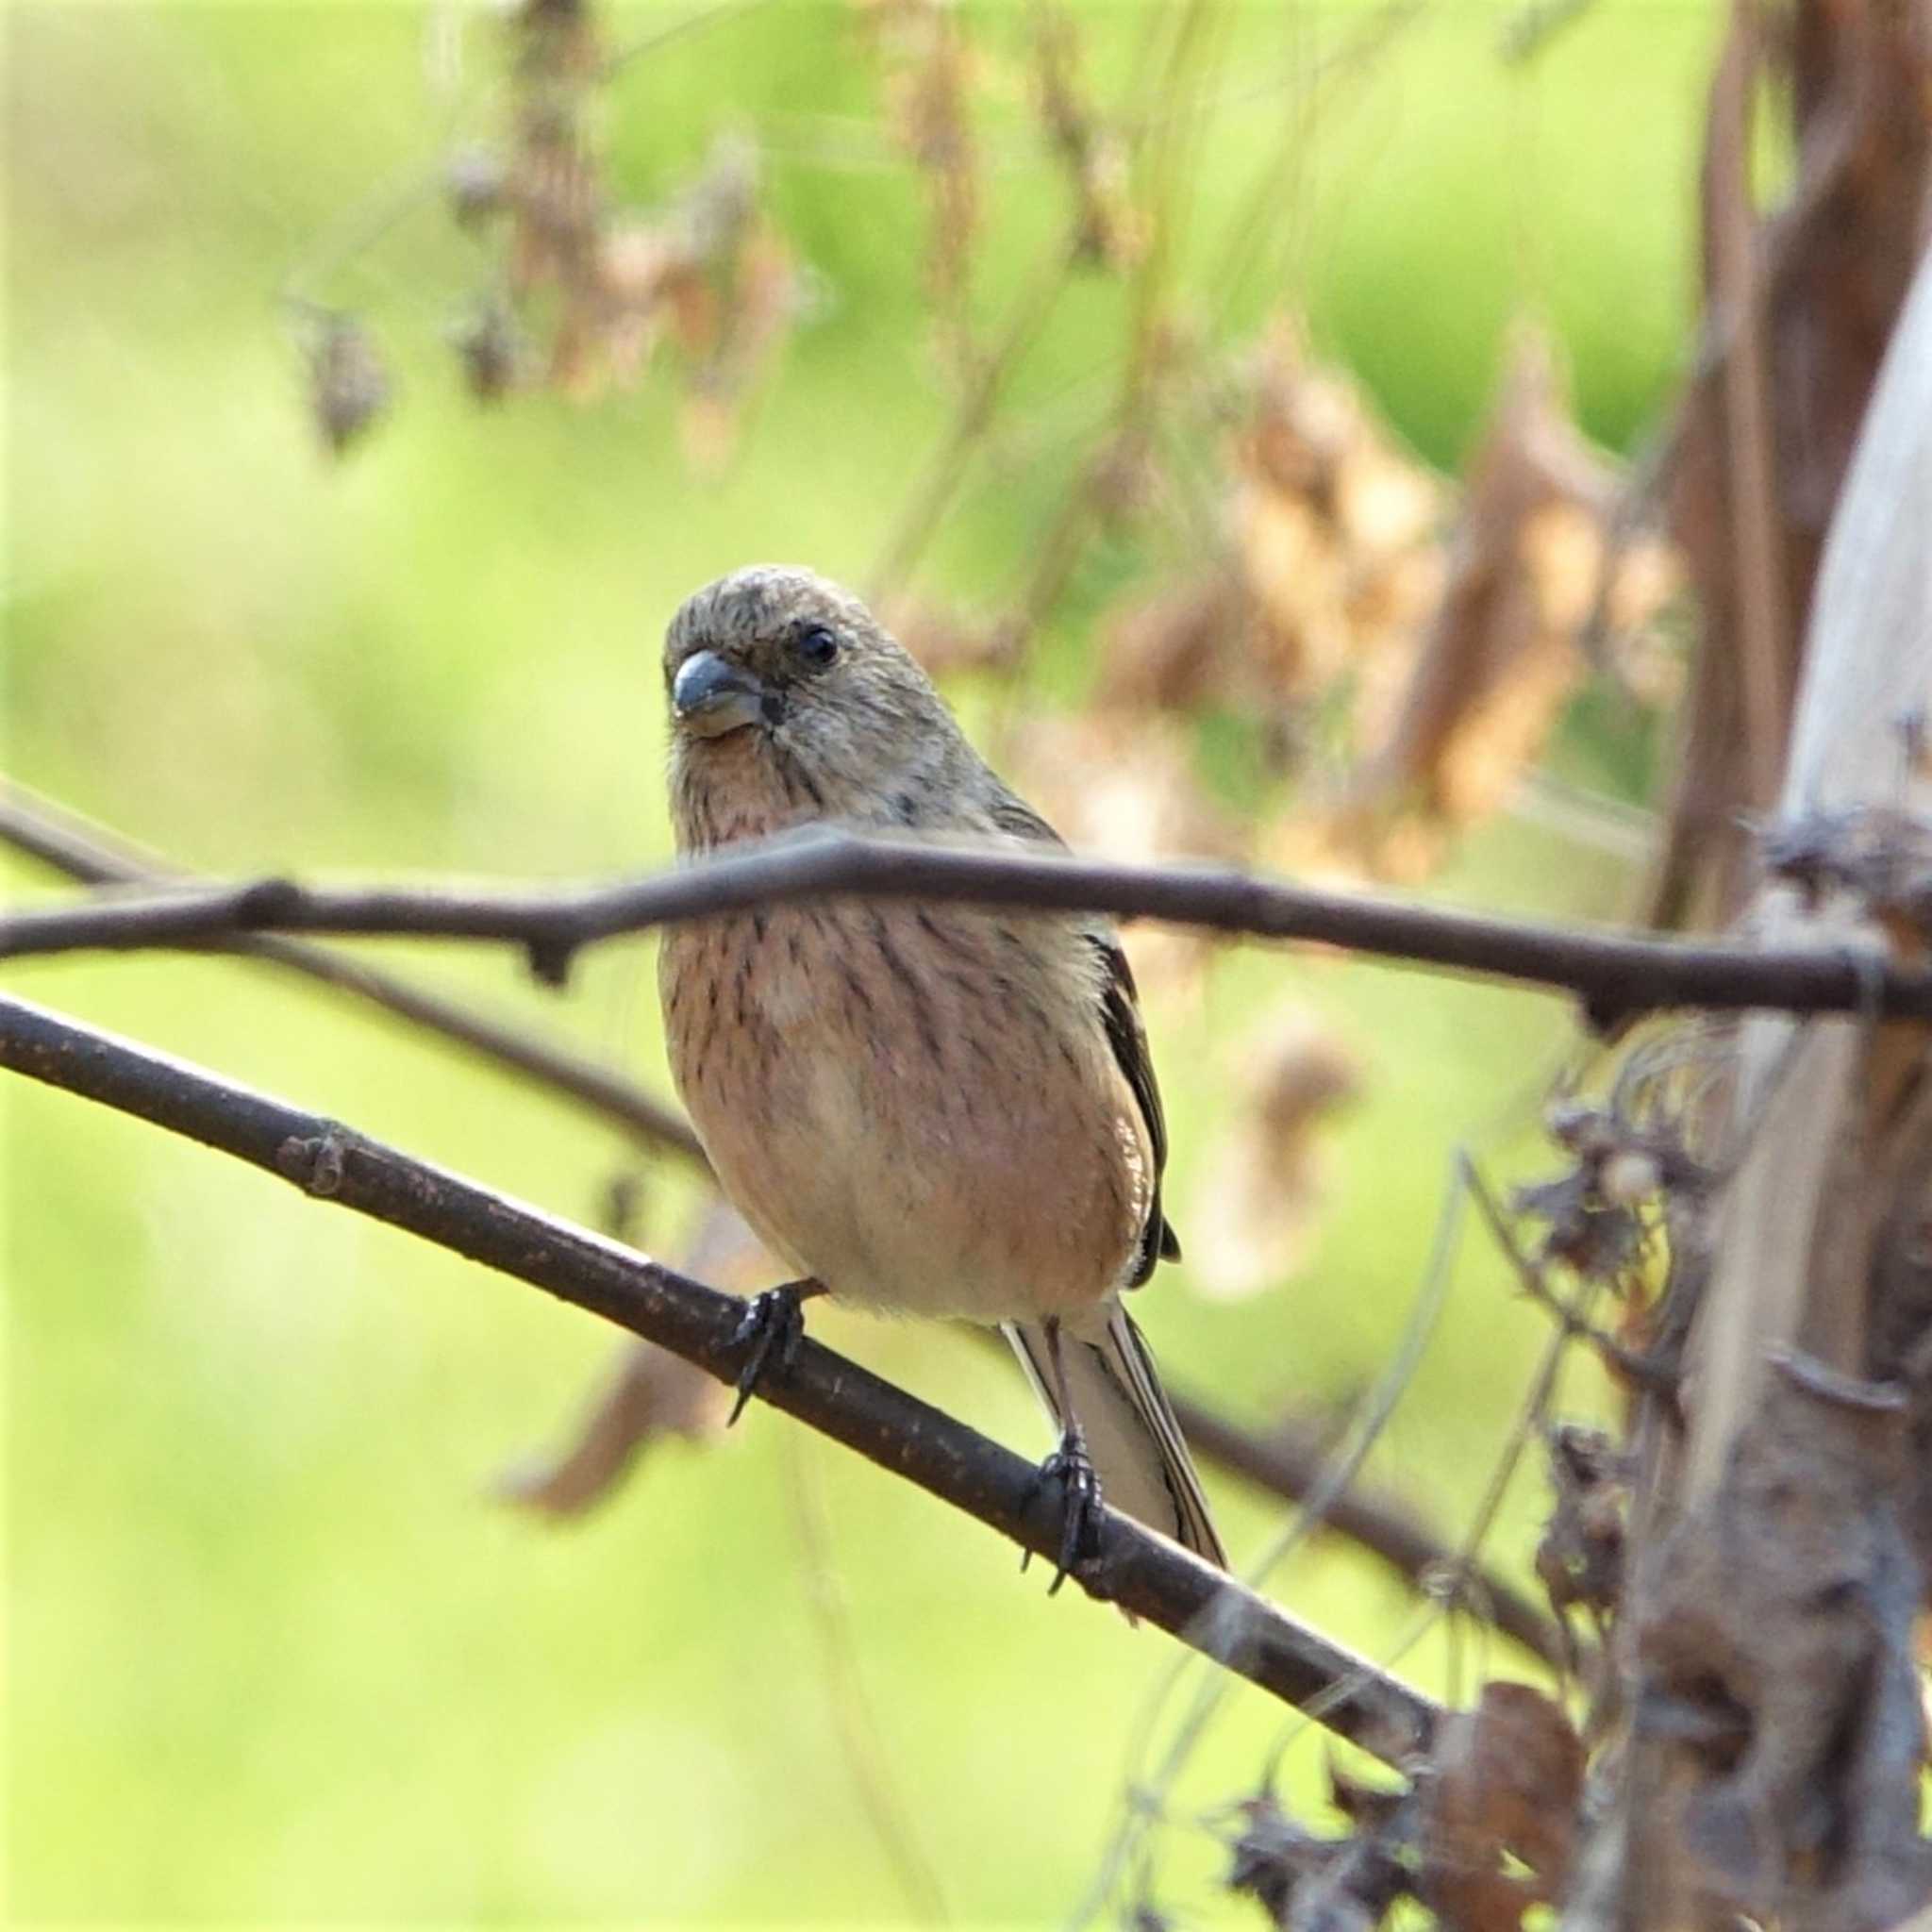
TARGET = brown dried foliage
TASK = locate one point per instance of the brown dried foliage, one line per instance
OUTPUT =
(1335, 526)
(705, 276)
(1799, 303)
(1426, 646)
(1764, 1732)
(1501, 652)
(1331, 562)
(1483, 1832)
(929, 73)
(584, 294)
(651, 1396)
(1108, 231)
(1503, 1785)
(1579, 1560)
(1251, 1216)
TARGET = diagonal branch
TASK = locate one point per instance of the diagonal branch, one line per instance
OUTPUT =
(1281, 1462)
(1616, 973)
(1143, 1573)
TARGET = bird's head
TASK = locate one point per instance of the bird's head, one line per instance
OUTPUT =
(775, 675)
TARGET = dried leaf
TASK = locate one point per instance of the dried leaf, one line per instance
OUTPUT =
(1500, 655)
(1335, 524)
(948, 641)
(1507, 1780)
(1580, 1558)
(652, 1395)
(1126, 789)
(1109, 230)
(1250, 1217)
(555, 200)
(1308, 1883)
(1176, 648)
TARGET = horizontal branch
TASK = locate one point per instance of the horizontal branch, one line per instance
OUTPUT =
(1277, 1463)
(59, 839)
(1143, 1573)
(1617, 975)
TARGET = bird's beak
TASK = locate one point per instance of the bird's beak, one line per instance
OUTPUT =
(709, 697)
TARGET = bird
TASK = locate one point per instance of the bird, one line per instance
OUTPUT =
(929, 1109)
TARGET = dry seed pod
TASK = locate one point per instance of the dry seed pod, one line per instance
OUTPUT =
(476, 185)
(348, 385)
(492, 351)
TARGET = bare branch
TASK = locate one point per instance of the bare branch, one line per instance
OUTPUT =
(1288, 1464)
(1141, 1572)
(1282, 1462)
(1615, 974)
(60, 839)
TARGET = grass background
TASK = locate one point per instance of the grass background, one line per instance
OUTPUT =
(272, 1654)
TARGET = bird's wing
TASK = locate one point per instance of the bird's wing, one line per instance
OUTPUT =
(1120, 1013)
(1120, 1009)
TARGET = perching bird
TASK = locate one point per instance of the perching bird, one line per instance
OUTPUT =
(941, 1109)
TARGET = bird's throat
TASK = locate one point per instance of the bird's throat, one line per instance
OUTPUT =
(740, 786)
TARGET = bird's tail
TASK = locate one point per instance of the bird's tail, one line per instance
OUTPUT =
(1136, 1444)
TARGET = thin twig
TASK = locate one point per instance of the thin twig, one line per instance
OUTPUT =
(1617, 975)
(1155, 1579)
(851, 1707)
(1145, 1800)
(657, 38)
(1534, 1407)
(1288, 1465)
(1639, 1370)
(948, 468)
(1247, 253)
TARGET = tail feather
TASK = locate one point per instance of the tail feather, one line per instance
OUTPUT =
(1132, 1436)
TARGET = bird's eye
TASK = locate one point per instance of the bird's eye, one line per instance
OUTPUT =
(817, 644)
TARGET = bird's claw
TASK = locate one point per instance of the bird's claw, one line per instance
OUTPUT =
(771, 1328)
(1071, 1469)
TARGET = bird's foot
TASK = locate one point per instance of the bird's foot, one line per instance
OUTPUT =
(1072, 1470)
(771, 1328)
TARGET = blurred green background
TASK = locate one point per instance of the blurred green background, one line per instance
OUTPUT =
(272, 1652)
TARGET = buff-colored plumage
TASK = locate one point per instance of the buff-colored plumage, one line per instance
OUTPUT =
(938, 1110)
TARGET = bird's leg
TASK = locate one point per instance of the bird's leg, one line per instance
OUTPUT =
(1071, 1468)
(771, 1328)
